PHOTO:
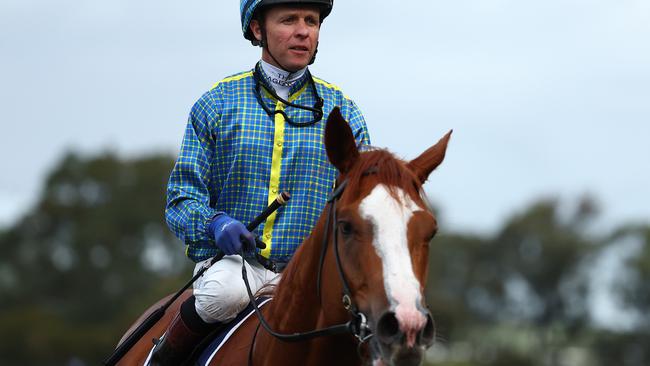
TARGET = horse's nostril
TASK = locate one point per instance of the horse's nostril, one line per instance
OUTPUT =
(428, 333)
(388, 328)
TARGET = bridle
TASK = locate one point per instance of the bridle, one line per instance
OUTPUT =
(361, 329)
(358, 324)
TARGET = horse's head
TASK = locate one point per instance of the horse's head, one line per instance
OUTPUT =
(383, 228)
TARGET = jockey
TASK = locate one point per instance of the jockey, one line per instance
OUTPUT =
(251, 136)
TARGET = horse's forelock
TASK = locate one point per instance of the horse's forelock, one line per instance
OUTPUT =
(386, 169)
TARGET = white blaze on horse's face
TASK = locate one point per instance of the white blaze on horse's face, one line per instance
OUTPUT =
(390, 218)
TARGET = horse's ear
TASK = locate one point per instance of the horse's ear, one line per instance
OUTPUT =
(424, 164)
(339, 142)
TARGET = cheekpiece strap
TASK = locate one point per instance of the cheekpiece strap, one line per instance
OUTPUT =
(336, 193)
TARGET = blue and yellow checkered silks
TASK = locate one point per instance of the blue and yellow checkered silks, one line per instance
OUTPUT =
(234, 158)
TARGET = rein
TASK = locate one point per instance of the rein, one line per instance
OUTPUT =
(358, 325)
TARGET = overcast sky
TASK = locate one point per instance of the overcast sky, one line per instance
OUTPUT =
(545, 97)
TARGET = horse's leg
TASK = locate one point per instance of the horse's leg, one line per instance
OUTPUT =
(138, 354)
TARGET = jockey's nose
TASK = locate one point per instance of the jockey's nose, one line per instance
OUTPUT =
(390, 331)
(302, 30)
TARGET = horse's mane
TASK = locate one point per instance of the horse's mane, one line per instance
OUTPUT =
(386, 169)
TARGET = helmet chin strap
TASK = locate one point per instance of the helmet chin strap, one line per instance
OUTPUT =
(313, 57)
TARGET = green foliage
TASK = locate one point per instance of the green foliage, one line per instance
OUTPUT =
(87, 260)
(532, 259)
(623, 348)
(522, 296)
(635, 288)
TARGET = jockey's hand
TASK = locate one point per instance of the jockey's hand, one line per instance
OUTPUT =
(231, 234)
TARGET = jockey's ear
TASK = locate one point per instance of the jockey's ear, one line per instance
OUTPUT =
(429, 160)
(256, 29)
(339, 142)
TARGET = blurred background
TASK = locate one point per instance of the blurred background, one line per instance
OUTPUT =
(543, 257)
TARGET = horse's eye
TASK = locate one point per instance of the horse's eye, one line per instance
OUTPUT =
(345, 227)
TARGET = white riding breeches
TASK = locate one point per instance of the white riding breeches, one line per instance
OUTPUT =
(221, 292)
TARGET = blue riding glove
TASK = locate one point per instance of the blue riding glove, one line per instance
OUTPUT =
(230, 234)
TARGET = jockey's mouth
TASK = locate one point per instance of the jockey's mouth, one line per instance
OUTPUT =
(299, 48)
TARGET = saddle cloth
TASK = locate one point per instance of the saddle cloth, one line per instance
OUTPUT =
(218, 339)
(222, 337)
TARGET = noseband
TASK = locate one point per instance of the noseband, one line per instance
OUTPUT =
(358, 325)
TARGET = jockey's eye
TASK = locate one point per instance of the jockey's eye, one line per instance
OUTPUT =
(311, 21)
(345, 227)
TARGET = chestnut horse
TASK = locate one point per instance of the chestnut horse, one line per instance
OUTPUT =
(370, 245)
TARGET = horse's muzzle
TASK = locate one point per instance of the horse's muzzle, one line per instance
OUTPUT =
(393, 342)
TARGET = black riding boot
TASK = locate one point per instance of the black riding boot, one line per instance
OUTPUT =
(184, 333)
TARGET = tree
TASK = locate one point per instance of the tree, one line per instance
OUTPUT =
(91, 255)
(634, 287)
(530, 275)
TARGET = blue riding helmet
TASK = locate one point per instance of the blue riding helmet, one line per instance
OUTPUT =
(248, 7)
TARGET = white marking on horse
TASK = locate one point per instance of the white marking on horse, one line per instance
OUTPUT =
(389, 218)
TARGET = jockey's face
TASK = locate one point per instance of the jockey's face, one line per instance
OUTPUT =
(291, 35)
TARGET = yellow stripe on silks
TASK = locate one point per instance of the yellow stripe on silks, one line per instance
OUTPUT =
(232, 78)
(274, 183)
(328, 85)
(276, 168)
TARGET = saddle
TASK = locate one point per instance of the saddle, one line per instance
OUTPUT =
(209, 347)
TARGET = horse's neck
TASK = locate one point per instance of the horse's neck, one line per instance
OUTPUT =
(296, 300)
(296, 307)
